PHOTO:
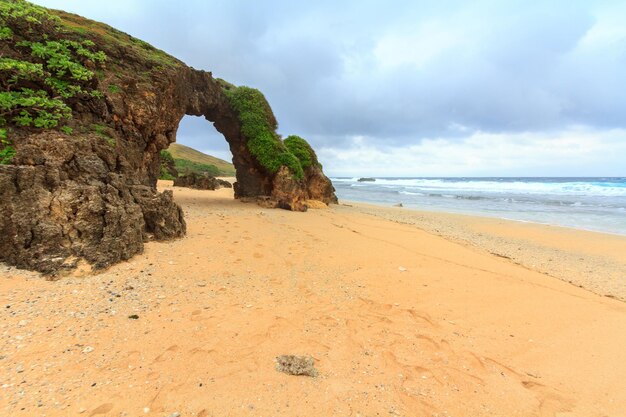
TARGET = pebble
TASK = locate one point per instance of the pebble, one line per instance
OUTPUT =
(88, 349)
(19, 368)
(23, 323)
(175, 414)
(401, 269)
(201, 284)
(146, 410)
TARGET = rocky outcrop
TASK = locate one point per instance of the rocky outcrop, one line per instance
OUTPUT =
(319, 186)
(201, 182)
(89, 191)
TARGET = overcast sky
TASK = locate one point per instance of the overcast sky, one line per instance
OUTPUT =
(410, 88)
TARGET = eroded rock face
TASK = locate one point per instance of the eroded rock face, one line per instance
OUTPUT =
(318, 186)
(92, 195)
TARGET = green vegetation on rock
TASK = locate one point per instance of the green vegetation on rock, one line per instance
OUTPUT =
(302, 150)
(166, 159)
(104, 132)
(35, 91)
(8, 151)
(116, 39)
(258, 125)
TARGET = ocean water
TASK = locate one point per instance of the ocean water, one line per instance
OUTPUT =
(585, 203)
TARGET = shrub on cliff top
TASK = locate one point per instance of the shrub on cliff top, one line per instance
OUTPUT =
(302, 150)
(258, 125)
(43, 70)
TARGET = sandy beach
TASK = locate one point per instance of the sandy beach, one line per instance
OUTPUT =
(405, 313)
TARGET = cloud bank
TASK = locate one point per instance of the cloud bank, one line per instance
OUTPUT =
(410, 87)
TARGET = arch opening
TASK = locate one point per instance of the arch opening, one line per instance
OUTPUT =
(199, 147)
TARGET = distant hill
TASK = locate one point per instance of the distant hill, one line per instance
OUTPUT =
(189, 159)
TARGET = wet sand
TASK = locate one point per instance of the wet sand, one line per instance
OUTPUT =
(404, 316)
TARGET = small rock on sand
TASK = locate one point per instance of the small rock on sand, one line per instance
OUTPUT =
(296, 365)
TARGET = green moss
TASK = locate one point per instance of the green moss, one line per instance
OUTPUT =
(7, 151)
(114, 89)
(302, 150)
(99, 129)
(258, 125)
(5, 33)
(104, 132)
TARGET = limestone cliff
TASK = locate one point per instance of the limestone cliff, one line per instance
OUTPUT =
(85, 112)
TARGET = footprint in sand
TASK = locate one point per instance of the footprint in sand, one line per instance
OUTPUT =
(161, 357)
(102, 409)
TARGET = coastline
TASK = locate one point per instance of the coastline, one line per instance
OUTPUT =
(593, 204)
(400, 322)
(589, 259)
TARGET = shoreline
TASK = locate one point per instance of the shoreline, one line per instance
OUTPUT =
(597, 270)
(481, 215)
(399, 321)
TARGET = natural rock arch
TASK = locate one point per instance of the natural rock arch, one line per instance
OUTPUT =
(209, 98)
(87, 192)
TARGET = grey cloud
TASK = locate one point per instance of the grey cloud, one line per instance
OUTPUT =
(521, 68)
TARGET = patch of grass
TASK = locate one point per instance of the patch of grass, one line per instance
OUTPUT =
(258, 125)
(302, 150)
(114, 89)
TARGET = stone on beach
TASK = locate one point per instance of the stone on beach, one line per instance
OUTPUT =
(296, 365)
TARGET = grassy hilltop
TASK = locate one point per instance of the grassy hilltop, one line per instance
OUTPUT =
(186, 158)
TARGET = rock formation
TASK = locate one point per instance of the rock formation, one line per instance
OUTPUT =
(80, 165)
(201, 182)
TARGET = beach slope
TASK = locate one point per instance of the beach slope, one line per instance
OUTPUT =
(399, 321)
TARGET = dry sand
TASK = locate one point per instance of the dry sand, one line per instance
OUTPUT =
(400, 321)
